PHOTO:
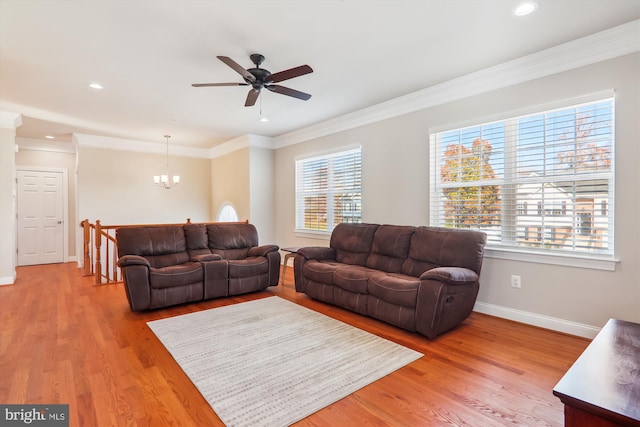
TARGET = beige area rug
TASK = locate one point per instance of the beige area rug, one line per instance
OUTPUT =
(270, 362)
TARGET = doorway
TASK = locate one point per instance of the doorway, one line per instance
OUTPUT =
(42, 209)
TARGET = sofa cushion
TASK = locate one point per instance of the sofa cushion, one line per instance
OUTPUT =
(352, 242)
(395, 288)
(320, 271)
(390, 247)
(162, 246)
(196, 236)
(352, 278)
(248, 267)
(233, 240)
(232, 236)
(176, 275)
(197, 240)
(433, 247)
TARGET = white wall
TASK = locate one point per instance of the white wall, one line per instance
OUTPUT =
(230, 182)
(117, 187)
(396, 190)
(244, 178)
(8, 123)
(262, 193)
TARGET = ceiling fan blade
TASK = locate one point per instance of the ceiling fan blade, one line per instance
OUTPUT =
(289, 74)
(288, 91)
(238, 68)
(252, 97)
(218, 84)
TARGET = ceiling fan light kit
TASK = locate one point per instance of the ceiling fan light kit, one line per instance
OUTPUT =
(260, 78)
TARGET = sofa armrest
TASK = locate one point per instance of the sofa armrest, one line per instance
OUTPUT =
(128, 260)
(135, 274)
(451, 275)
(262, 250)
(206, 257)
(317, 253)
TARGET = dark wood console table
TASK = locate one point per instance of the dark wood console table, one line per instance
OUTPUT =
(602, 388)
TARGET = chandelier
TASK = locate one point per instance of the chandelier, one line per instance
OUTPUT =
(163, 180)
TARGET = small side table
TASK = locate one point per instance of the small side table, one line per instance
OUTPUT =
(291, 253)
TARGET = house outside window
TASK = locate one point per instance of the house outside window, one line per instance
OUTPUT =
(328, 191)
(533, 182)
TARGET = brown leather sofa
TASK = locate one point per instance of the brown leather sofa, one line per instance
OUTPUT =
(168, 265)
(423, 279)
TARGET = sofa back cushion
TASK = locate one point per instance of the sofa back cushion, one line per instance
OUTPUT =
(231, 241)
(438, 247)
(197, 239)
(352, 242)
(390, 247)
(162, 246)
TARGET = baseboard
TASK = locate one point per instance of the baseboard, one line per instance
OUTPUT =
(553, 323)
(8, 280)
(72, 259)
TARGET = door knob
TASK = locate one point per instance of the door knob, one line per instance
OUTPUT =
(59, 222)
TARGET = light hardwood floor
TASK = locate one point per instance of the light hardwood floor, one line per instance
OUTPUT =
(64, 340)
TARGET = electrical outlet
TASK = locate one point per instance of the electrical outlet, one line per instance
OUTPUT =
(516, 281)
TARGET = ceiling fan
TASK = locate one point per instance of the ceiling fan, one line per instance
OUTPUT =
(259, 78)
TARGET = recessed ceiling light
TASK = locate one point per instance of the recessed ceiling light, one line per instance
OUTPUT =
(264, 119)
(525, 8)
(50, 137)
(95, 86)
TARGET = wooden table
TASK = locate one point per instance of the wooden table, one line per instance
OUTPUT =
(602, 388)
(291, 252)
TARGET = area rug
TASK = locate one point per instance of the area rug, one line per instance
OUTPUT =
(270, 362)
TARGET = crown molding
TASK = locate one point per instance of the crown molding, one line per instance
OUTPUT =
(612, 43)
(244, 141)
(9, 120)
(121, 144)
(44, 145)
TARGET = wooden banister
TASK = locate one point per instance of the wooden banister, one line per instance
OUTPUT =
(93, 236)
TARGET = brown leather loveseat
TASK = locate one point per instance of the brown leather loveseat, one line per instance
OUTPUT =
(423, 279)
(168, 265)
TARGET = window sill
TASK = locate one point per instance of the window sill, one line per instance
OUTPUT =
(595, 263)
(307, 234)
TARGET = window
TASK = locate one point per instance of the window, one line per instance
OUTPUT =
(542, 182)
(328, 191)
(227, 214)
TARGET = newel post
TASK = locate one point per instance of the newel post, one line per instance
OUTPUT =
(86, 247)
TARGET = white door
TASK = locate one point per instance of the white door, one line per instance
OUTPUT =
(40, 217)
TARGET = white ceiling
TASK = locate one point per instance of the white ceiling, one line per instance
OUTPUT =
(147, 54)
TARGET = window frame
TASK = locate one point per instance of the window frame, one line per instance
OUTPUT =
(330, 191)
(604, 261)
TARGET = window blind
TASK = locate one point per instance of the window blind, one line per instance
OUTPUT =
(328, 191)
(540, 182)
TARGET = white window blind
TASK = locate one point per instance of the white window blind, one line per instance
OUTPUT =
(542, 182)
(328, 191)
